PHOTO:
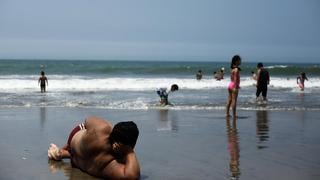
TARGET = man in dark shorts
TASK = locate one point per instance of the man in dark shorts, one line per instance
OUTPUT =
(263, 80)
(42, 81)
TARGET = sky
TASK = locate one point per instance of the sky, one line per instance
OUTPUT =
(159, 29)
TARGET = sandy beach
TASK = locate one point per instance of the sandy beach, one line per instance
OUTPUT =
(172, 144)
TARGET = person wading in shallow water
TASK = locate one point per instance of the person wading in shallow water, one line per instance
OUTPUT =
(234, 85)
(263, 80)
(42, 81)
(301, 79)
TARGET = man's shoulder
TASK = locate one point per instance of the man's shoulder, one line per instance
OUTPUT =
(98, 123)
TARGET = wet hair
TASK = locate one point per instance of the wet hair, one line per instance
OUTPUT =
(303, 75)
(42, 73)
(234, 60)
(174, 87)
(259, 65)
(126, 133)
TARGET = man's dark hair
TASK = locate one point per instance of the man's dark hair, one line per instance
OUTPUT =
(259, 65)
(126, 133)
(42, 73)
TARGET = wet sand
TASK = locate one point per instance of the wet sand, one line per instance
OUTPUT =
(172, 144)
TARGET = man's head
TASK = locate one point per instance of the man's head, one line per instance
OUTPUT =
(42, 73)
(174, 87)
(259, 65)
(125, 133)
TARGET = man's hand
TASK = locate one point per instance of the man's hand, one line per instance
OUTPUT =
(121, 149)
(54, 152)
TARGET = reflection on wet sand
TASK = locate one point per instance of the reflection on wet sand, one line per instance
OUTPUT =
(233, 147)
(262, 129)
(165, 123)
(69, 172)
(43, 111)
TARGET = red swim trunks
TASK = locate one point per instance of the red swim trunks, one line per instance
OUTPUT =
(74, 131)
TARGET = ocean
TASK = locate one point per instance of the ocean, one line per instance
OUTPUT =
(132, 85)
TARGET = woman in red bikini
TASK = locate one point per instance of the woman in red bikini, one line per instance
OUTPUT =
(234, 85)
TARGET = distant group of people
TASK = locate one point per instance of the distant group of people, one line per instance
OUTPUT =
(216, 75)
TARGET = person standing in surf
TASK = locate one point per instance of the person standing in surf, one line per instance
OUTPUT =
(263, 80)
(42, 81)
(234, 85)
(199, 75)
(301, 79)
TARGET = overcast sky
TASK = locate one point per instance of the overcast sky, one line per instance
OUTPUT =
(159, 29)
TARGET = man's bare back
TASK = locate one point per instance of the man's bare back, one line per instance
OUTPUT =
(92, 150)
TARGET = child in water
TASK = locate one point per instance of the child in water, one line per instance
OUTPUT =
(301, 79)
(163, 94)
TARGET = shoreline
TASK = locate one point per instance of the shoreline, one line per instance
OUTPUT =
(173, 144)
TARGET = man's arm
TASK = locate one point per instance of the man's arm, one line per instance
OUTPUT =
(129, 170)
(258, 76)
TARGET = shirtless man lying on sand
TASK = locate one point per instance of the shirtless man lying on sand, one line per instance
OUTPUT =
(100, 150)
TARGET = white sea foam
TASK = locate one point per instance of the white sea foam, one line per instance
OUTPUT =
(276, 66)
(77, 83)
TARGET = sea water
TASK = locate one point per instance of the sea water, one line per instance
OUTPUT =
(133, 84)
